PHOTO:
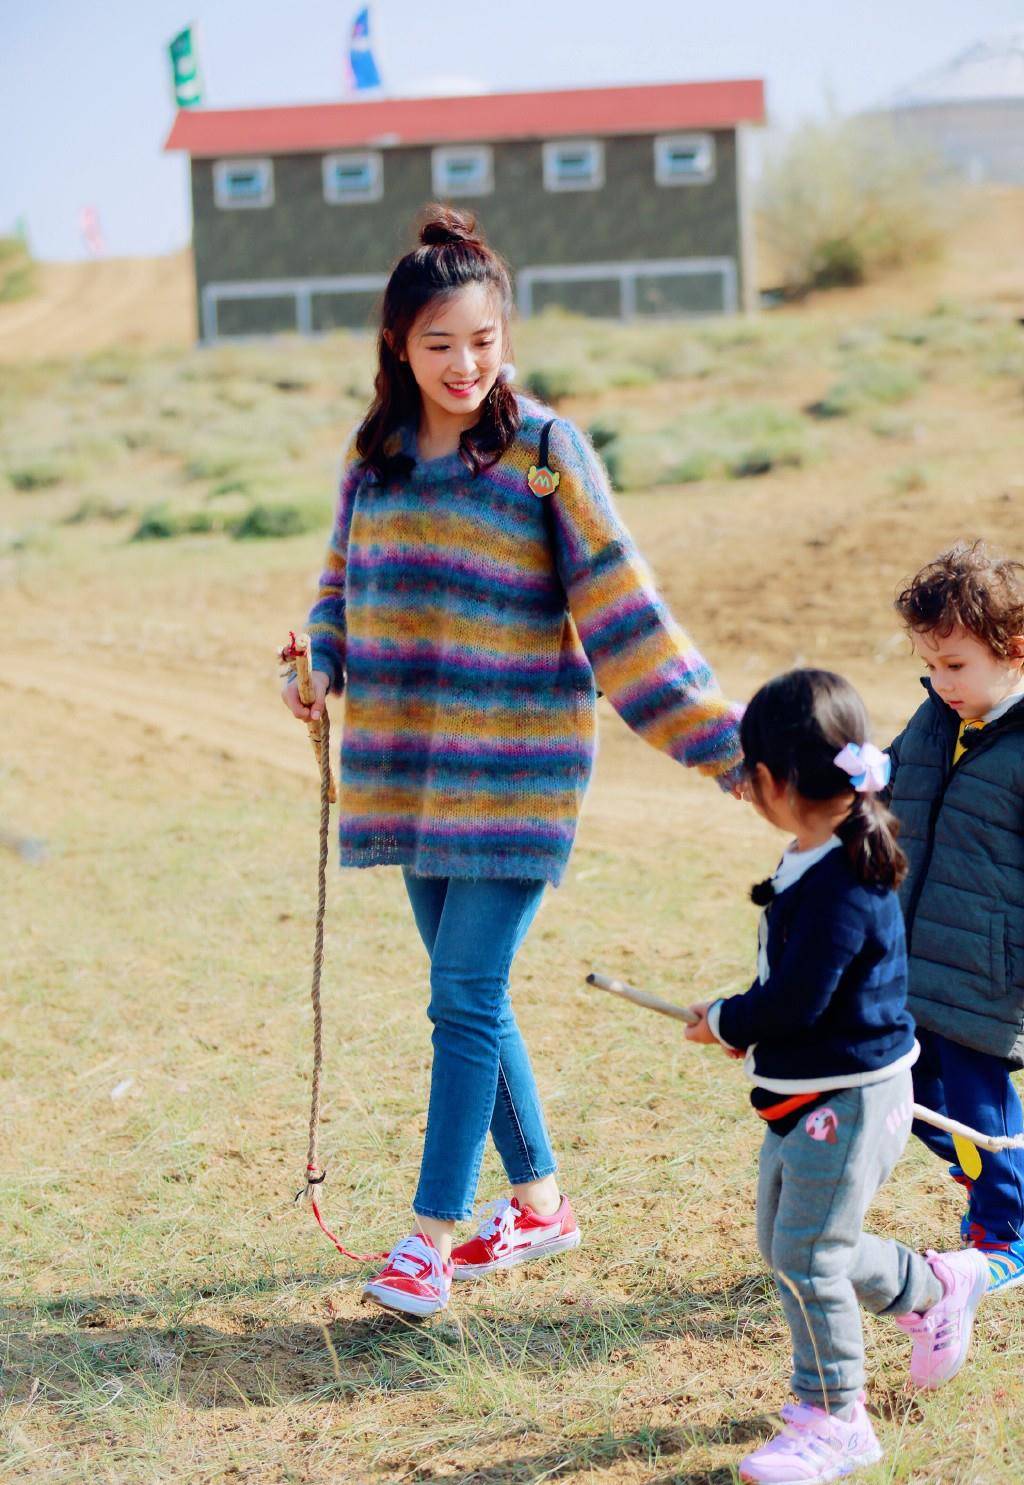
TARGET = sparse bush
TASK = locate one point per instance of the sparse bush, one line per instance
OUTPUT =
(849, 199)
(96, 508)
(866, 384)
(160, 523)
(42, 474)
(734, 442)
(272, 521)
(602, 432)
(17, 270)
(572, 379)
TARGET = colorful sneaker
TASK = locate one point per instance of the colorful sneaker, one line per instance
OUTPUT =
(511, 1234)
(1005, 1260)
(941, 1337)
(814, 1447)
(414, 1280)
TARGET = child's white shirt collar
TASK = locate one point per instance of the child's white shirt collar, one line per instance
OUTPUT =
(1002, 707)
(794, 863)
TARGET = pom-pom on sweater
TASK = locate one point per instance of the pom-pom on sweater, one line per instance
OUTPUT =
(466, 619)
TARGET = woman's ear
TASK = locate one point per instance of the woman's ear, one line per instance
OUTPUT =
(389, 341)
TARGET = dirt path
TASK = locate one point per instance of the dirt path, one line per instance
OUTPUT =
(83, 308)
(182, 708)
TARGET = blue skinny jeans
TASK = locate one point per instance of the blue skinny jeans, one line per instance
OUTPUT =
(481, 1077)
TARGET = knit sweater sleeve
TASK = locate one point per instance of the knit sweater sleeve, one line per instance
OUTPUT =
(326, 623)
(650, 670)
(823, 937)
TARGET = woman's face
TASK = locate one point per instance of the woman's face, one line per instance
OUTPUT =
(455, 351)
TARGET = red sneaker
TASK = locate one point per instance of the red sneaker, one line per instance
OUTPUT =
(414, 1280)
(511, 1234)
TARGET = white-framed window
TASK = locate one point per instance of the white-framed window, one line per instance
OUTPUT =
(238, 184)
(684, 159)
(463, 170)
(352, 178)
(574, 165)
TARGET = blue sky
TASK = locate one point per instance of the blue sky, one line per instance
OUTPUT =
(87, 94)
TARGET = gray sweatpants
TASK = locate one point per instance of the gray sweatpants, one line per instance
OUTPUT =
(814, 1187)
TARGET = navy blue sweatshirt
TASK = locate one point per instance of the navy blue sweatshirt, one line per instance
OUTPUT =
(832, 1011)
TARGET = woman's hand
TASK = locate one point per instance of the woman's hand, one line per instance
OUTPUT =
(321, 682)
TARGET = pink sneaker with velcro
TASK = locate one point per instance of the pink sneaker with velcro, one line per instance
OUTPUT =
(413, 1280)
(941, 1337)
(814, 1447)
(511, 1234)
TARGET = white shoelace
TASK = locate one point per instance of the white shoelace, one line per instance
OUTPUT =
(411, 1254)
(497, 1222)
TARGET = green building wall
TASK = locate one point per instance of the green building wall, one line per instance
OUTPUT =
(629, 219)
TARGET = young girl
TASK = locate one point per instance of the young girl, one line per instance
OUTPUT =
(829, 1046)
(477, 580)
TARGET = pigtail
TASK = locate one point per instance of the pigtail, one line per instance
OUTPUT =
(869, 835)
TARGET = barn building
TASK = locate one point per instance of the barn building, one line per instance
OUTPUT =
(970, 112)
(617, 201)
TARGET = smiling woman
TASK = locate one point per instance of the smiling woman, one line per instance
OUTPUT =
(478, 579)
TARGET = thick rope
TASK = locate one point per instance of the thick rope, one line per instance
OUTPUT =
(315, 1174)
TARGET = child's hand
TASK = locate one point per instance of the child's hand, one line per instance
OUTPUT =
(700, 1031)
(290, 696)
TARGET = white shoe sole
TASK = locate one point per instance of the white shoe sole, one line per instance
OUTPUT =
(405, 1304)
(511, 1260)
(840, 1472)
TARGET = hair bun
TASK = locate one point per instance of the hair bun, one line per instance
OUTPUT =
(444, 227)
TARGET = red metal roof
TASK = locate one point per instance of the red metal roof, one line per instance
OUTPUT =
(485, 117)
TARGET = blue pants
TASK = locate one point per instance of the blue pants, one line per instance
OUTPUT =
(975, 1088)
(481, 1077)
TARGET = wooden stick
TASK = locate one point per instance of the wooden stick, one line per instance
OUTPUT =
(297, 653)
(993, 1142)
(642, 997)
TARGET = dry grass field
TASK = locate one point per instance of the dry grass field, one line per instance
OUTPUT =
(169, 1314)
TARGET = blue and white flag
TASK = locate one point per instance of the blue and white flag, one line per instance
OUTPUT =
(362, 69)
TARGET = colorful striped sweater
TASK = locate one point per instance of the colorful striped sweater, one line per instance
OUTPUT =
(466, 620)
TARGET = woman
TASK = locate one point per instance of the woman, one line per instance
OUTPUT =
(478, 578)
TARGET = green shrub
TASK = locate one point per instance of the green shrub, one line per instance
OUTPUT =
(272, 521)
(867, 384)
(17, 270)
(847, 200)
(42, 474)
(553, 383)
(96, 508)
(160, 523)
(730, 441)
(602, 432)
(211, 466)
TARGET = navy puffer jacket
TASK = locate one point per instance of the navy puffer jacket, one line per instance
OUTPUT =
(963, 901)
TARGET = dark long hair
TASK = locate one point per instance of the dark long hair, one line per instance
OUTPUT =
(795, 725)
(451, 255)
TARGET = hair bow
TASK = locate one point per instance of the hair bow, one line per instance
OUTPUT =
(869, 768)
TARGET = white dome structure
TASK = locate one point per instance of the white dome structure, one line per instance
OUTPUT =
(971, 111)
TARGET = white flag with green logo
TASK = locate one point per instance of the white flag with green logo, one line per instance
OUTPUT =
(188, 84)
